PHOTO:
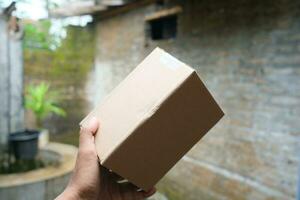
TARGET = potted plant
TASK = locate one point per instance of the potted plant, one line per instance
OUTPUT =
(41, 102)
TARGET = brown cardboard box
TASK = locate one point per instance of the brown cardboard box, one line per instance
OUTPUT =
(153, 118)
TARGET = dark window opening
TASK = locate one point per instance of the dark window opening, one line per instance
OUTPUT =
(160, 2)
(163, 28)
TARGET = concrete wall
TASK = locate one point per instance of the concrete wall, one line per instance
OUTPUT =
(11, 81)
(247, 53)
(45, 183)
(4, 80)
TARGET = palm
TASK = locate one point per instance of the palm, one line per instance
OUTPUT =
(92, 181)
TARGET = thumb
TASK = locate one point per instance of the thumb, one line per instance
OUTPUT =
(87, 132)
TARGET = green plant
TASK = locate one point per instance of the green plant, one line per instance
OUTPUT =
(41, 101)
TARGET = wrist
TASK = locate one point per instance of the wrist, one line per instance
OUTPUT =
(68, 194)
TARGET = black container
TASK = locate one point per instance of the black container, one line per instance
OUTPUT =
(24, 144)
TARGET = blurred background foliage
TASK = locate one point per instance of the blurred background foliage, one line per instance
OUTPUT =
(65, 67)
(38, 36)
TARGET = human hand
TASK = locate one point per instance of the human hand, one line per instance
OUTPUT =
(90, 180)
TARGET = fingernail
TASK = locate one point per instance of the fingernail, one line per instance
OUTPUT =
(92, 121)
(89, 122)
(92, 124)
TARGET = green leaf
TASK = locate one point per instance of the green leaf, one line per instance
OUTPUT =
(42, 102)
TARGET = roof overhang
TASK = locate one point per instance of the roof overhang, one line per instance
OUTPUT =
(105, 9)
(164, 13)
(77, 9)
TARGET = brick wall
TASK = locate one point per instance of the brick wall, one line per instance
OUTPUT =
(247, 53)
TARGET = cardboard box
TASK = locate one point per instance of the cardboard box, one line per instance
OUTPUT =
(148, 122)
